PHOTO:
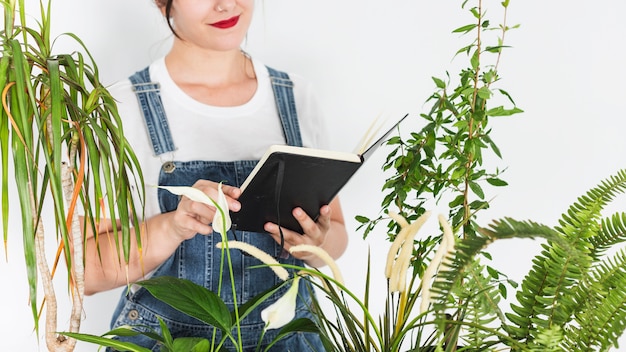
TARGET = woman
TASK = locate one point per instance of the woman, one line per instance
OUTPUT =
(205, 113)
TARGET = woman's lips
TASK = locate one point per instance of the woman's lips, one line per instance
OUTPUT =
(231, 22)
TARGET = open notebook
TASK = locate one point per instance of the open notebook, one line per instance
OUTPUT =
(287, 177)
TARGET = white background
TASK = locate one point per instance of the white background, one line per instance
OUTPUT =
(565, 69)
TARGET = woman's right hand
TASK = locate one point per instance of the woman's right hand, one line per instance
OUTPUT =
(191, 217)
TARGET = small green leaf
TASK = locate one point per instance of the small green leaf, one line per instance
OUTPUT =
(475, 60)
(191, 344)
(439, 83)
(501, 111)
(477, 190)
(503, 290)
(465, 29)
(493, 272)
(456, 201)
(494, 181)
(167, 336)
(362, 219)
(484, 93)
(297, 325)
(123, 331)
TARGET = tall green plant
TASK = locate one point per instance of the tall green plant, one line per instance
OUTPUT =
(58, 121)
(444, 160)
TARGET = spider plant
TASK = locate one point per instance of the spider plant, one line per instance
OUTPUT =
(58, 121)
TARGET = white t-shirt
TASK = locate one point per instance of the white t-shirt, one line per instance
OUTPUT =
(204, 132)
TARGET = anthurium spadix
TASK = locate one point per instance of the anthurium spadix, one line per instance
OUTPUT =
(283, 310)
(323, 255)
(221, 219)
(446, 247)
(267, 259)
(399, 255)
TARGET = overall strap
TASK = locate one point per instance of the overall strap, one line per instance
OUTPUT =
(147, 93)
(286, 105)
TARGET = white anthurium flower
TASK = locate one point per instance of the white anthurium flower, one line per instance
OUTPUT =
(281, 272)
(221, 219)
(323, 255)
(281, 312)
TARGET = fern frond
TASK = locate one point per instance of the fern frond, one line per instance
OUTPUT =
(546, 297)
(582, 218)
(612, 232)
(600, 317)
(482, 297)
(540, 302)
(466, 250)
(454, 271)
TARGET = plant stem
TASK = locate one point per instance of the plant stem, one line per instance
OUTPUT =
(78, 272)
(54, 342)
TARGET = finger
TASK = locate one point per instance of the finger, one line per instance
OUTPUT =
(187, 225)
(231, 191)
(199, 210)
(308, 225)
(323, 221)
(290, 238)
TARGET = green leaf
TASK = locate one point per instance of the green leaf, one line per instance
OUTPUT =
(477, 190)
(362, 219)
(297, 325)
(465, 29)
(254, 302)
(494, 181)
(191, 299)
(439, 82)
(123, 331)
(475, 60)
(191, 344)
(501, 111)
(167, 336)
(107, 342)
(492, 272)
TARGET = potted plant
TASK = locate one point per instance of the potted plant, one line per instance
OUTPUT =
(443, 160)
(441, 296)
(571, 299)
(458, 124)
(58, 120)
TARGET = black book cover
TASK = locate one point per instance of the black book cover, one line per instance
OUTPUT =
(295, 180)
(288, 177)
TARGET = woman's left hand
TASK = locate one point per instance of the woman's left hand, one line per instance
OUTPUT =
(315, 233)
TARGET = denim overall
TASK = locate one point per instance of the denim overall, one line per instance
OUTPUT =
(198, 259)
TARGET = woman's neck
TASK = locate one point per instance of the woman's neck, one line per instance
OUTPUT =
(220, 78)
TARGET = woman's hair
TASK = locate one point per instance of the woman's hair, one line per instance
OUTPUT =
(167, 5)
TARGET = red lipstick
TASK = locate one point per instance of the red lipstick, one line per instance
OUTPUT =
(231, 22)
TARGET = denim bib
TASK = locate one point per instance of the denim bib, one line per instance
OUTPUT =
(197, 259)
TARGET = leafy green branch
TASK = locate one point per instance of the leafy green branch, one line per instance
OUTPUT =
(445, 159)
